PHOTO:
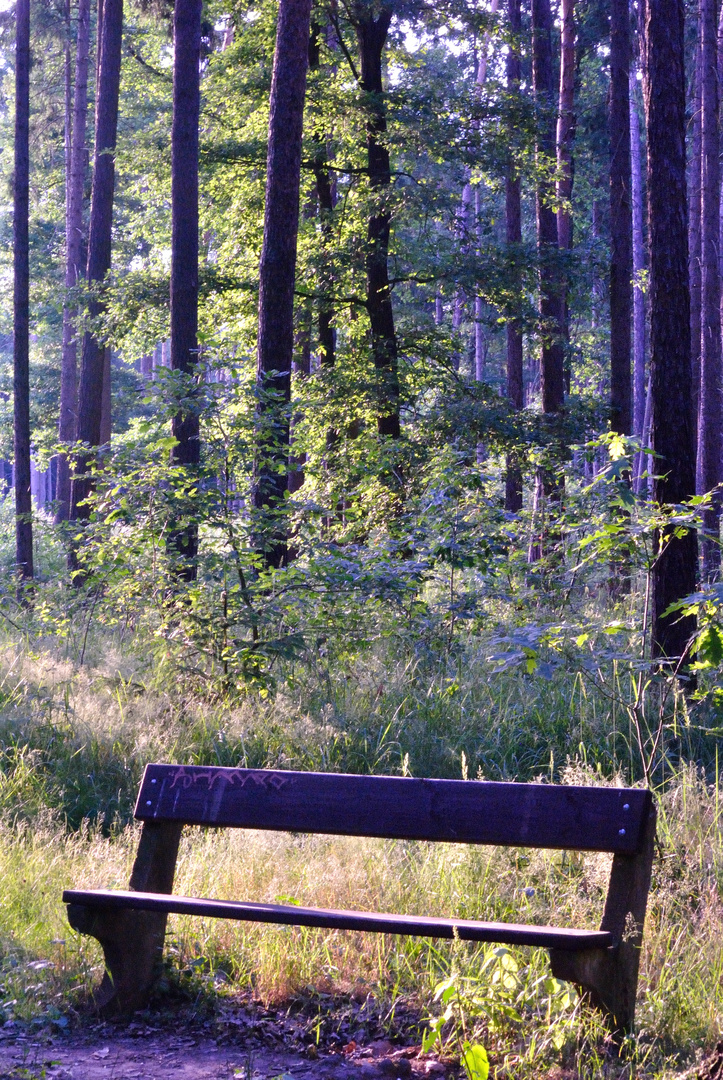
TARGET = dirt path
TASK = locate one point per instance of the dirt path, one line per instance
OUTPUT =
(240, 1043)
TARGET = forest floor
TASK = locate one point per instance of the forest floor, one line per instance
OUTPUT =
(247, 1044)
(246, 1041)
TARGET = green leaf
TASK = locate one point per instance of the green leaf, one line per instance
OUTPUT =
(710, 646)
(475, 1061)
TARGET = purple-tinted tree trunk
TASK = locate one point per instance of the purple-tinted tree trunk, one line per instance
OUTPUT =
(673, 421)
(75, 183)
(90, 392)
(277, 275)
(636, 188)
(709, 413)
(552, 374)
(695, 251)
(621, 260)
(513, 215)
(565, 164)
(21, 296)
(371, 31)
(183, 541)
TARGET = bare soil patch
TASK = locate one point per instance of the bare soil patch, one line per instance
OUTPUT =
(241, 1040)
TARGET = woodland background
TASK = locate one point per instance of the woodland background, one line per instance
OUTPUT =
(440, 535)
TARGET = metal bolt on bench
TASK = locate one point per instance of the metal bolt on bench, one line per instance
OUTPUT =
(131, 925)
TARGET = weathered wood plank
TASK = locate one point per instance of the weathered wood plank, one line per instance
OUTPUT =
(380, 923)
(478, 812)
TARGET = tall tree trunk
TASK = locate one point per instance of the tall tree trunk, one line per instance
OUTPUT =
(673, 421)
(639, 381)
(552, 376)
(695, 251)
(75, 184)
(325, 196)
(709, 416)
(565, 164)
(183, 540)
(553, 353)
(371, 34)
(21, 296)
(621, 260)
(513, 216)
(277, 274)
(90, 394)
(480, 340)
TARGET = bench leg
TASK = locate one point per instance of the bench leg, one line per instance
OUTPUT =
(132, 944)
(608, 979)
(132, 941)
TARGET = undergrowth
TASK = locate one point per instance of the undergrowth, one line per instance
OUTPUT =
(73, 743)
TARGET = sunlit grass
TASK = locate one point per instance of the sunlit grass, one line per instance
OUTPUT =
(72, 747)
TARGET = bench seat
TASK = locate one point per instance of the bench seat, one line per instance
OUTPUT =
(548, 937)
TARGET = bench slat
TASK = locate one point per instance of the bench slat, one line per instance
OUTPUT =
(549, 937)
(471, 811)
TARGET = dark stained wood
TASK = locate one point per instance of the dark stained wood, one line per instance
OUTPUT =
(378, 923)
(132, 940)
(472, 811)
(609, 977)
(130, 925)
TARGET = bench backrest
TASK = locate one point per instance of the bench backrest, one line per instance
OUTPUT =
(394, 807)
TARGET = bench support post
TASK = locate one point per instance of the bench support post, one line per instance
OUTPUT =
(609, 977)
(132, 941)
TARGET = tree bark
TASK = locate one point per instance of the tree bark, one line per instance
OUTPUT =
(90, 393)
(21, 296)
(621, 261)
(552, 376)
(326, 200)
(672, 428)
(480, 339)
(513, 222)
(709, 415)
(371, 34)
(277, 274)
(75, 184)
(639, 381)
(694, 226)
(565, 163)
(183, 541)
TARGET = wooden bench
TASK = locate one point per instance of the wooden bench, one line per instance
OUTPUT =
(131, 925)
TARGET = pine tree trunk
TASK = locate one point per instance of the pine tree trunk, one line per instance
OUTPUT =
(90, 393)
(695, 253)
(371, 34)
(547, 490)
(480, 339)
(672, 428)
(277, 274)
(709, 415)
(639, 381)
(325, 197)
(621, 261)
(513, 216)
(21, 296)
(75, 184)
(183, 539)
(565, 164)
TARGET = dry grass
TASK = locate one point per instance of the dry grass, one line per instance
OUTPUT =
(72, 743)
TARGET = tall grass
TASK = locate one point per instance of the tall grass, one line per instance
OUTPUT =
(73, 742)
